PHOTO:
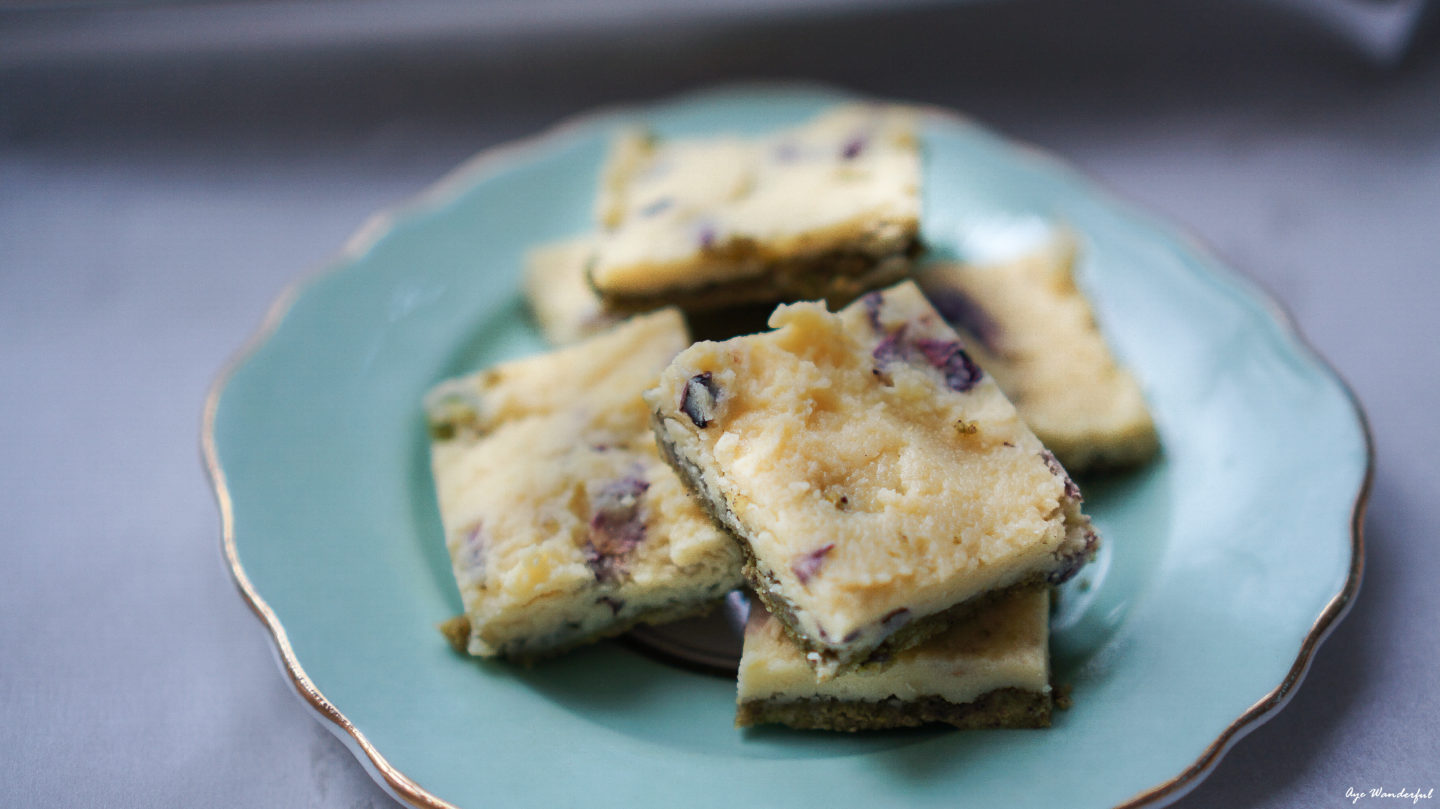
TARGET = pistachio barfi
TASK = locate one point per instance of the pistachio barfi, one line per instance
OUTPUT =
(562, 523)
(828, 209)
(878, 480)
(1026, 322)
(990, 670)
(560, 297)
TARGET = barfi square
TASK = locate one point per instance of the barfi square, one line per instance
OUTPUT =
(878, 481)
(1026, 321)
(562, 523)
(828, 209)
(564, 306)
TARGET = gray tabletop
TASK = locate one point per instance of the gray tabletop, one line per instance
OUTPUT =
(164, 172)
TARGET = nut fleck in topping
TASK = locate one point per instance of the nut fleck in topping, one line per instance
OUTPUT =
(699, 398)
(1074, 562)
(452, 409)
(1052, 463)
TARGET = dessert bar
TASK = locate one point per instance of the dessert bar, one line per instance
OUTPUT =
(562, 523)
(878, 481)
(827, 209)
(990, 670)
(1026, 322)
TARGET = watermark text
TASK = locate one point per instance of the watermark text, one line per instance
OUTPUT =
(1414, 796)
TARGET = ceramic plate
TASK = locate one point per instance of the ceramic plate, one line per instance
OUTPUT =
(1226, 561)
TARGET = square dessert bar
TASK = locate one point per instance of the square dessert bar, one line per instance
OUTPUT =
(828, 210)
(879, 482)
(562, 522)
(1026, 322)
(990, 670)
(567, 309)
(560, 297)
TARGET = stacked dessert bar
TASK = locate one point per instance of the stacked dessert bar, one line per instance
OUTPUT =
(858, 465)
(562, 523)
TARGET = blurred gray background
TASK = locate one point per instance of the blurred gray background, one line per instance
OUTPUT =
(166, 169)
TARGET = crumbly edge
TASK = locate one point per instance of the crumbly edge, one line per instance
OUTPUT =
(1002, 708)
(835, 659)
(457, 630)
(838, 276)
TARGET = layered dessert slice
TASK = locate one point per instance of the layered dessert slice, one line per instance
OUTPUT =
(566, 309)
(878, 481)
(990, 670)
(1026, 321)
(828, 210)
(562, 523)
(560, 297)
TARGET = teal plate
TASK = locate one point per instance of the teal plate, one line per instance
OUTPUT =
(1227, 560)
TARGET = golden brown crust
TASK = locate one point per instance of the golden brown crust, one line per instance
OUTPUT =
(457, 632)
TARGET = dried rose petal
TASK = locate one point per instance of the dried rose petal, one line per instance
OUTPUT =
(961, 373)
(947, 356)
(892, 348)
(892, 622)
(474, 545)
(616, 527)
(808, 564)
